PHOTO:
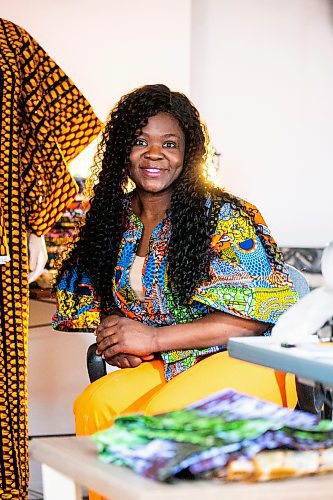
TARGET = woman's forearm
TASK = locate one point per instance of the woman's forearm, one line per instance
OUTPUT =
(120, 335)
(211, 330)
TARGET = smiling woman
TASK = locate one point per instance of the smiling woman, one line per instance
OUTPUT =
(168, 272)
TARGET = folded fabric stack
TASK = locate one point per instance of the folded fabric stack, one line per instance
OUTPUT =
(228, 435)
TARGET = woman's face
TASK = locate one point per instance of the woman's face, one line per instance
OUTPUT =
(156, 158)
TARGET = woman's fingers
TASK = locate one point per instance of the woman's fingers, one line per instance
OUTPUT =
(105, 342)
(134, 361)
(124, 361)
(106, 323)
(114, 361)
(149, 357)
(103, 332)
(111, 351)
(105, 338)
(121, 361)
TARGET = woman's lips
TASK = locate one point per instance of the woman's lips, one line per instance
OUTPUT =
(152, 171)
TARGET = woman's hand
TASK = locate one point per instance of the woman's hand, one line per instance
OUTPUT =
(128, 360)
(119, 335)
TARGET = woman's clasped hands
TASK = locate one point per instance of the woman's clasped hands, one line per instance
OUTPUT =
(125, 343)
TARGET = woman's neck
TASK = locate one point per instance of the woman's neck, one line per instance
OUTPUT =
(151, 207)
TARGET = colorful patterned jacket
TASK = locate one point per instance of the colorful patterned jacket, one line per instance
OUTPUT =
(245, 280)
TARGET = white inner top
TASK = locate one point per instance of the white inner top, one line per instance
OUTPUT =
(136, 277)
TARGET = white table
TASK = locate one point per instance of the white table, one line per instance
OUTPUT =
(311, 360)
(69, 463)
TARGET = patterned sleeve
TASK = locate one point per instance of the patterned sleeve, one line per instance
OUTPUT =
(248, 277)
(57, 124)
(77, 310)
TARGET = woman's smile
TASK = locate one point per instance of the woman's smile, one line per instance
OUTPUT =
(152, 171)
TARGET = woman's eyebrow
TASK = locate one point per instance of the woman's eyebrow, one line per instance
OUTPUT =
(163, 135)
(171, 135)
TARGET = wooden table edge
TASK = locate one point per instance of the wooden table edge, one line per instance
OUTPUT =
(121, 483)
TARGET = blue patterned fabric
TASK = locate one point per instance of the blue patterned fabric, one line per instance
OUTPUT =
(244, 280)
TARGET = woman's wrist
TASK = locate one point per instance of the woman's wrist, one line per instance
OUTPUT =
(155, 339)
(166, 338)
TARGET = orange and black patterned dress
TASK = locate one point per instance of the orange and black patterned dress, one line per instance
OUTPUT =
(45, 122)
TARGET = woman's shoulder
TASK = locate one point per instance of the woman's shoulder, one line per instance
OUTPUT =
(234, 218)
(227, 205)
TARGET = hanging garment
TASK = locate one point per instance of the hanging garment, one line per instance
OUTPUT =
(45, 122)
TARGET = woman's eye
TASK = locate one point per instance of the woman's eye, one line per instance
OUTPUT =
(170, 144)
(140, 142)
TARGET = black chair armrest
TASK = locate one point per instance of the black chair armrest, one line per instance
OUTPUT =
(310, 399)
(95, 364)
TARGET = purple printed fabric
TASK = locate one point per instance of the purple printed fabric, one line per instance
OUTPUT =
(206, 436)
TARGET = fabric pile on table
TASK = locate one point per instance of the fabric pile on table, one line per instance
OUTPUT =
(227, 435)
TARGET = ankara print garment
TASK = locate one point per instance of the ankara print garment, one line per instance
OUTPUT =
(45, 122)
(244, 280)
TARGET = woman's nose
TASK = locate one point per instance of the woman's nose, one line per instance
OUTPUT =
(154, 152)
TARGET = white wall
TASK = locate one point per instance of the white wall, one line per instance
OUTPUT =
(109, 47)
(262, 77)
(260, 72)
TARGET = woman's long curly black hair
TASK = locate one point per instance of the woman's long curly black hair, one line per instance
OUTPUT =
(95, 249)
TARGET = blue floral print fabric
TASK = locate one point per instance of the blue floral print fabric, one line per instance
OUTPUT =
(245, 279)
